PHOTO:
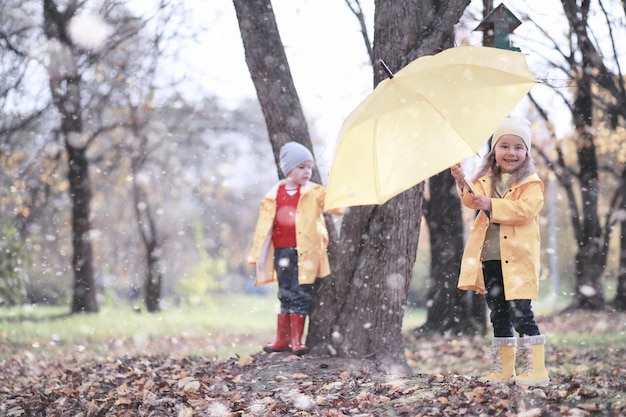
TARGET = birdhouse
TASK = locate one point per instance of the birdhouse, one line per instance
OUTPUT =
(497, 26)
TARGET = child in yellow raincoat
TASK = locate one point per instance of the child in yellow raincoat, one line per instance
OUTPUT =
(501, 257)
(290, 244)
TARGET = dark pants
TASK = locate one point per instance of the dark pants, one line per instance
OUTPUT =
(295, 298)
(506, 315)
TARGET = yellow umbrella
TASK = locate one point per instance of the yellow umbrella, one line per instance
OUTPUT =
(435, 112)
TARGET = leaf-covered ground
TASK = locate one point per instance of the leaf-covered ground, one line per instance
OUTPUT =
(587, 379)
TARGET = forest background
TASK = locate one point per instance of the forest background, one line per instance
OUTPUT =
(176, 171)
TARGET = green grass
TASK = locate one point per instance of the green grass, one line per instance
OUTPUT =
(607, 340)
(228, 322)
(220, 328)
(413, 319)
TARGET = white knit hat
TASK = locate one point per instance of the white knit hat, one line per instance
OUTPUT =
(293, 154)
(517, 126)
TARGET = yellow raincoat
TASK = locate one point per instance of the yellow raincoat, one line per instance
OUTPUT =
(311, 236)
(518, 216)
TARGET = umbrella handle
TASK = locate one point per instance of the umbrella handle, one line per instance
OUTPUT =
(469, 186)
(386, 68)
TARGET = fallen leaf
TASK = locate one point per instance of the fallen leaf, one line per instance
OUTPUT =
(185, 412)
(245, 360)
(533, 412)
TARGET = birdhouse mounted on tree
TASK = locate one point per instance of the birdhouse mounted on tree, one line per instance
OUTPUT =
(497, 26)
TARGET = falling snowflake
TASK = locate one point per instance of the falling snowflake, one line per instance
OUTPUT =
(89, 31)
(587, 290)
(303, 402)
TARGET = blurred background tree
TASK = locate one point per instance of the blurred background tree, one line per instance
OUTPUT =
(196, 158)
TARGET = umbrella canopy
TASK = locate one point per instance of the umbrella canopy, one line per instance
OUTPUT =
(437, 111)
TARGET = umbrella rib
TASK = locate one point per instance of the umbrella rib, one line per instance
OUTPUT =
(386, 68)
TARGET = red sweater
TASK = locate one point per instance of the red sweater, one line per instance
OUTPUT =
(284, 232)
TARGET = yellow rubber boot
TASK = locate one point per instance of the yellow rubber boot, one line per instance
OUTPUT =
(532, 352)
(502, 360)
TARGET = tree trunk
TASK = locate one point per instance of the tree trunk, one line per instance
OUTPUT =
(65, 89)
(590, 261)
(358, 311)
(374, 260)
(449, 309)
(590, 258)
(285, 121)
(378, 245)
(149, 237)
(154, 280)
(374, 285)
(619, 302)
(146, 224)
(271, 75)
(84, 296)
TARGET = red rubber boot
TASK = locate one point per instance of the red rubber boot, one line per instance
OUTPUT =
(297, 328)
(283, 335)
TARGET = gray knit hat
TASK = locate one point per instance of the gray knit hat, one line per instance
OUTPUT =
(517, 126)
(293, 154)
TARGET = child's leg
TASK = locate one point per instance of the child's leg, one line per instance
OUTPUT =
(502, 351)
(300, 304)
(286, 265)
(523, 318)
(301, 296)
(531, 345)
(500, 313)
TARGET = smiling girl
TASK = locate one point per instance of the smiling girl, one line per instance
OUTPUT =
(501, 257)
